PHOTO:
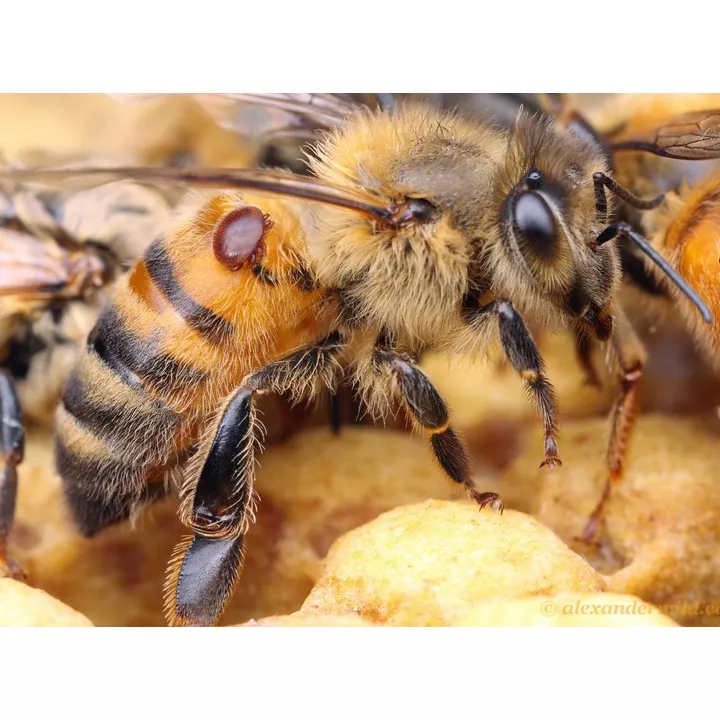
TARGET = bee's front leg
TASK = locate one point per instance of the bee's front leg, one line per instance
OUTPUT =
(12, 448)
(630, 354)
(428, 411)
(216, 500)
(524, 356)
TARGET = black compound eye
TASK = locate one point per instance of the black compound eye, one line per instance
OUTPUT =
(422, 210)
(533, 179)
(536, 224)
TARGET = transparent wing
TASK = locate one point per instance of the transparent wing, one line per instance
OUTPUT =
(691, 136)
(30, 267)
(299, 115)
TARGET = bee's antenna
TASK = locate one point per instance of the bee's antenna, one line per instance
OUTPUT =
(600, 179)
(622, 229)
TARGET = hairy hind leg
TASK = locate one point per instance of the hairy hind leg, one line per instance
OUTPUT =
(216, 501)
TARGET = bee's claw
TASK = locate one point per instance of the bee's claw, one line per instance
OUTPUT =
(551, 462)
(488, 498)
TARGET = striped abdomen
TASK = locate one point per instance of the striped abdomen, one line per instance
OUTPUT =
(183, 329)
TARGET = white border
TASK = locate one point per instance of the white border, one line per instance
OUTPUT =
(448, 46)
(354, 47)
(289, 673)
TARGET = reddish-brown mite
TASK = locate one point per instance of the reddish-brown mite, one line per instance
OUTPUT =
(239, 236)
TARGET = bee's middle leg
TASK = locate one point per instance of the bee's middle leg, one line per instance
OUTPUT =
(12, 450)
(428, 410)
(216, 500)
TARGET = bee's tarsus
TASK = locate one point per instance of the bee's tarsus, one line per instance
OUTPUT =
(489, 498)
(592, 527)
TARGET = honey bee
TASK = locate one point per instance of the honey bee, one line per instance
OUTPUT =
(648, 145)
(419, 229)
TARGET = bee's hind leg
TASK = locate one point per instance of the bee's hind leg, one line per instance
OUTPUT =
(12, 448)
(217, 503)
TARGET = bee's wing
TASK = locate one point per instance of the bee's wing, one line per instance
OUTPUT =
(323, 109)
(30, 267)
(690, 136)
(267, 181)
(261, 114)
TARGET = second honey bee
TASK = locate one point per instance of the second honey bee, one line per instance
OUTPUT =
(648, 141)
(428, 230)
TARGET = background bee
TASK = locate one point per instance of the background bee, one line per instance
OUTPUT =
(648, 142)
(429, 231)
(59, 255)
(61, 252)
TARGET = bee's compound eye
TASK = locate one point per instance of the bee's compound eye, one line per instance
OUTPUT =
(238, 236)
(535, 222)
(422, 210)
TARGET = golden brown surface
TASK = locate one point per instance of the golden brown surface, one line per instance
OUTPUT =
(427, 564)
(21, 605)
(431, 563)
(568, 610)
(662, 524)
(313, 488)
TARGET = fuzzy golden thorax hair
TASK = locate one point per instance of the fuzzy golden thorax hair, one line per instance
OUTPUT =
(411, 280)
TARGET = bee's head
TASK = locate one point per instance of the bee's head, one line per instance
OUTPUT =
(546, 211)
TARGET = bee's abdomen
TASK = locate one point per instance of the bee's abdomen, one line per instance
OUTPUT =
(140, 363)
(159, 269)
(112, 439)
